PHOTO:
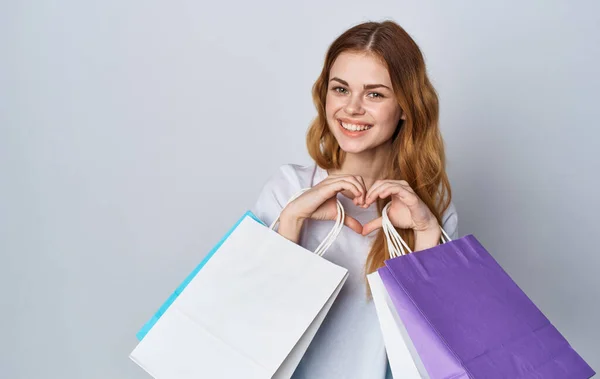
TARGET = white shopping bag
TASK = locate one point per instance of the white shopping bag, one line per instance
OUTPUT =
(404, 358)
(250, 312)
(405, 362)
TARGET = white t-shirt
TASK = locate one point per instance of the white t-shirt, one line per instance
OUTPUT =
(349, 343)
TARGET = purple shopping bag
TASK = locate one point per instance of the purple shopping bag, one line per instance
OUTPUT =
(481, 324)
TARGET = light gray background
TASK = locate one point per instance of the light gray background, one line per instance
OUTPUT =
(133, 134)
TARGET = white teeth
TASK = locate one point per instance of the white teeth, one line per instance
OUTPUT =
(355, 128)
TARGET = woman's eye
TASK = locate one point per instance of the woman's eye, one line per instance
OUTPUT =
(343, 90)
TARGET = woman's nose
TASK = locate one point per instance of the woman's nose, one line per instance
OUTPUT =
(354, 105)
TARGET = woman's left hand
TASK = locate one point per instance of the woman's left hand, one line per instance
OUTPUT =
(407, 211)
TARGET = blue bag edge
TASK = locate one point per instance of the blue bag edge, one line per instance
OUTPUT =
(163, 308)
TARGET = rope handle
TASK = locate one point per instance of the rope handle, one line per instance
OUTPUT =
(333, 233)
(396, 245)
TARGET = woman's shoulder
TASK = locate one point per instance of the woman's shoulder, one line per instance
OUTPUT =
(450, 220)
(294, 175)
(279, 188)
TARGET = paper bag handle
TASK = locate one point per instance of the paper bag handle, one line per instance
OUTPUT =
(332, 235)
(396, 244)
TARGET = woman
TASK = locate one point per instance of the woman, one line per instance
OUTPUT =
(375, 139)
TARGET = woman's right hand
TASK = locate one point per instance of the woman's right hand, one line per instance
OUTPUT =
(319, 203)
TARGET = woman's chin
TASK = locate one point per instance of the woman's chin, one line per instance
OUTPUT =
(359, 147)
(353, 148)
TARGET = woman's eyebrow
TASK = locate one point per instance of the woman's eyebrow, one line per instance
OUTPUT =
(366, 86)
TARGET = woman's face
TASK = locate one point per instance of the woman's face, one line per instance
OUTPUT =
(361, 108)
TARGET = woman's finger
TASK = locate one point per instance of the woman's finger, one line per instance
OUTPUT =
(332, 188)
(405, 184)
(353, 224)
(409, 198)
(370, 198)
(376, 193)
(371, 226)
(352, 178)
(359, 184)
(364, 186)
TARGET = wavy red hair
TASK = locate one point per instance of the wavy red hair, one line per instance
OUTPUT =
(417, 146)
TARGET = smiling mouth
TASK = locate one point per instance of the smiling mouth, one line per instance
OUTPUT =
(354, 129)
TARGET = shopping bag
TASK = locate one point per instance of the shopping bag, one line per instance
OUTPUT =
(402, 356)
(250, 312)
(150, 323)
(466, 317)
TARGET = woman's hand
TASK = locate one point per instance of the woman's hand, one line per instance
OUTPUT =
(319, 203)
(407, 211)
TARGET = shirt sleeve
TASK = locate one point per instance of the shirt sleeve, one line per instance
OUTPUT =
(275, 194)
(450, 222)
